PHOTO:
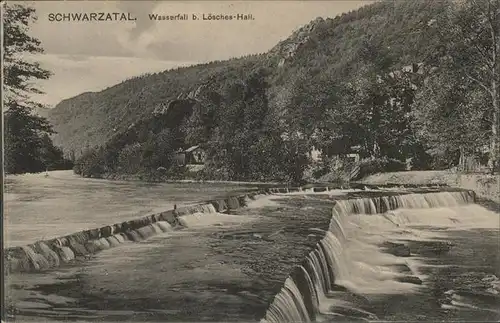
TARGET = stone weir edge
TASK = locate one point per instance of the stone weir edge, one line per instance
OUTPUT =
(297, 273)
(48, 254)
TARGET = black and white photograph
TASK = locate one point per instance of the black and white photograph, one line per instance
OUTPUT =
(282, 161)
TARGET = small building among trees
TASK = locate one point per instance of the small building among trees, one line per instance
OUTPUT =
(195, 155)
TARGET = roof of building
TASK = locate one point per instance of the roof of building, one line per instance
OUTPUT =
(190, 149)
(355, 148)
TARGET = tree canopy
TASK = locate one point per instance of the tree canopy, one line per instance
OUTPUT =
(459, 106)
(28, 147)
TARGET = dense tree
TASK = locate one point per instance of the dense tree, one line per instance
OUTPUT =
(52, 157)
(27, 145)
(129, 160)
(470, 31)
(240, 125)
(450, 115)
(202, 121)
(373, 109)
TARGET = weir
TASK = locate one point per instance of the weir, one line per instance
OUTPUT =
(48, 254)
(308, 291)
(51, 253)
(294, 271)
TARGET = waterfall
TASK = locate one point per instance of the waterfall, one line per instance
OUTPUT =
(198, 214)
(305, 294)
(208, 208)
(207, 216)
(325, 265)
(288, 305)
(383, 204)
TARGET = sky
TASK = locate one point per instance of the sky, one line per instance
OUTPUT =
(90, 56)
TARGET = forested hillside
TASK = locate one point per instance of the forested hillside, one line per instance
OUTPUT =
(331, 46)
(333, 84)
(90, 119)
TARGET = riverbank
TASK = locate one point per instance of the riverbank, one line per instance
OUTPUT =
(486, 186)
(410, 177)
(178, 180)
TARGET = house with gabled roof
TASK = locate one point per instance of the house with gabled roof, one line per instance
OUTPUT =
(195, 155)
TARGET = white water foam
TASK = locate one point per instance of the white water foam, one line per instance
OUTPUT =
(199, 219)
(288, 305)
(349, 255)
(261, 201)
(329, 192)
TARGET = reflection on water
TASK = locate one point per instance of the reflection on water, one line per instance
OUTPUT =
(39, 207)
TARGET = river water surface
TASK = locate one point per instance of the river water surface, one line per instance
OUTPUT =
(39, 207)
(297, 257)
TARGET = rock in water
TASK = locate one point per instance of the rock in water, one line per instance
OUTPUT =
(146, 232)
(38, 262)
(113, 242)
(78, 248)
(133, 235)
(106, 231)
(49, 254)
(156, 228)
(94, 246)
(164, 226)
(120, 237)
(410, 279)
(64, 253)
(104, 243)
(397, 249)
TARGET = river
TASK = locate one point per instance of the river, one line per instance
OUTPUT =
(294, 257)
(39, 207)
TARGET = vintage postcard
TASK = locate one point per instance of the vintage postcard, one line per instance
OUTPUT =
(250, 161)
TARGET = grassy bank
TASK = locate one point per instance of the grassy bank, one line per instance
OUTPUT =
(485, 186)
(411, 177)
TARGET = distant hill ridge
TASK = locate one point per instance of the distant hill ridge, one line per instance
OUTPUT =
(43, 112)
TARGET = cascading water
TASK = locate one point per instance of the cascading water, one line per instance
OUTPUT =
(202, 213)
(288, 305)
(206, 216)
(308, 292)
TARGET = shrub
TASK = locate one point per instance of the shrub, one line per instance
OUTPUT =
(315, 170)
(89, 166)
(380, 165)
(176, 172)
